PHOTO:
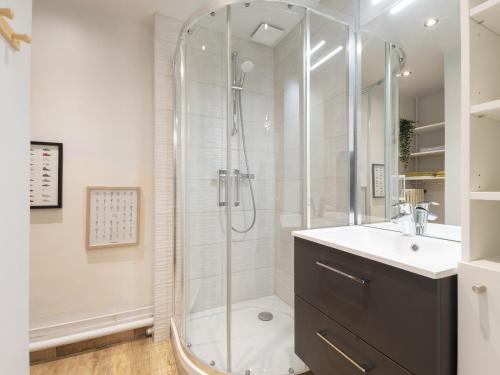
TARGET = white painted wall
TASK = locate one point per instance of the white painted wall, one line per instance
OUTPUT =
(452, 136)
(14, 231)
(92, 90)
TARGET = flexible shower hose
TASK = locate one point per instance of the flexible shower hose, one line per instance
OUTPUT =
(244, 143)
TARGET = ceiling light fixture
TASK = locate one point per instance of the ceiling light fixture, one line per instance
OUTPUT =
(327, 57)
(316, 47)
(400, 6)
(431, 22)
(375, 2)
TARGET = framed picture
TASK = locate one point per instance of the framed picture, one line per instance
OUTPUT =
(378, 180)
(113, 216)
(46, 175)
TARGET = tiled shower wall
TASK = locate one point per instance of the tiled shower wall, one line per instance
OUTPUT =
(166, 33)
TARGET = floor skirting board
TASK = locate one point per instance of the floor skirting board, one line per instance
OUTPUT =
(91, 345)
(90, 328)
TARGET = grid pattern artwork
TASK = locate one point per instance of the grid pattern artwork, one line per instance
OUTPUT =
(113, 216)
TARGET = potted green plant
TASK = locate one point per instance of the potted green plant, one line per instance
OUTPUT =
(406, 135)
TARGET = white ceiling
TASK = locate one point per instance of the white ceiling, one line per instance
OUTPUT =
(424, 47)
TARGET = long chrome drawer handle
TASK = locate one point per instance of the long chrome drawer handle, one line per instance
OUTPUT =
(354, 278)
(363, 368)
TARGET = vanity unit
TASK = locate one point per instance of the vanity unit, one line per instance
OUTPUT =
(374, 301)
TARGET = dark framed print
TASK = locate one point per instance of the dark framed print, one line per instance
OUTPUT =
(46, 175)
(378, 180)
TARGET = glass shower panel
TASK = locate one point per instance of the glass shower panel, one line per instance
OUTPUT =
(266, 42)
(393, 189)
(371, 129)
(179, 120)
(204, 174)
(328, 155)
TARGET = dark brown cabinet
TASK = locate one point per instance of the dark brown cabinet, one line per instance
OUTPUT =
(396, 320)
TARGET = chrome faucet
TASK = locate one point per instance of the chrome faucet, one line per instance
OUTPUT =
(414, 220)
(422, 216)
(406, 218)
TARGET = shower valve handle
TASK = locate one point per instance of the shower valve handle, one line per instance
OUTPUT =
(237, 178)
(221, 181)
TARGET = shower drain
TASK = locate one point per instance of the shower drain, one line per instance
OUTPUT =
(265, 316)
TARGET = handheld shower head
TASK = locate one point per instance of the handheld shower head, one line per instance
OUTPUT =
(246, 67)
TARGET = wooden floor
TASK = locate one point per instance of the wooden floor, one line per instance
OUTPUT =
(140, 357)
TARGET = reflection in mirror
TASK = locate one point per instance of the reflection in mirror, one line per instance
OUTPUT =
(409, 127)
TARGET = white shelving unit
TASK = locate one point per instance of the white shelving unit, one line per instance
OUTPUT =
(430, 133)
(427, 153)
(487, 13)
(424, 178)
(429, 128)
(479, 271)
(489, 110)
(485, 195)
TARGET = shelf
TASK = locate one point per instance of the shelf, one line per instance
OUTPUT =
(424, 178)
(485, 195)
(427, 153)
(429, 128)
(488, 13)
(489, 110)
(491, 263)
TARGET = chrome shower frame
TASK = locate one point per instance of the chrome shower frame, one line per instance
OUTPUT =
(311, 7)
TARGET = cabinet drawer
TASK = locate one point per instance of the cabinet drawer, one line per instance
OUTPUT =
(479, 320)
(408, 317)
(328, 348)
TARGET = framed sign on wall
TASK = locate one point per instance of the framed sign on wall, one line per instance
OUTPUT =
(113, 216)
(46, 174)
(378, 180)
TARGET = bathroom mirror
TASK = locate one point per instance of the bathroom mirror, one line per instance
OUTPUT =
(409, 120)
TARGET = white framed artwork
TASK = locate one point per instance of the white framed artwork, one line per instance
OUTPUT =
(378, 180)
(113, 216)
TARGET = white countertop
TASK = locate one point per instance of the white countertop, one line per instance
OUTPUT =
(435, 258)
(442, 231)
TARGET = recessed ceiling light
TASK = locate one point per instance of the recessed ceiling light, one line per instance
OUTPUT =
(400, 6)
(203, 47)
(431, 22)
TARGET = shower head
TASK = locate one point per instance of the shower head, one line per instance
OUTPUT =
(246, 67)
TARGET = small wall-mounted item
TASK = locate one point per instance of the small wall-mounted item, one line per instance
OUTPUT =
(46, 175)
(113, 216)
(13, 38)
(378, 180)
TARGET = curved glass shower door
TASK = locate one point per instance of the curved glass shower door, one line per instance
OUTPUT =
(204, 167)
(261, 150)
(267, 44)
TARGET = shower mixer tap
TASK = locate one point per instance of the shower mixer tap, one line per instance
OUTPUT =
(238, 178)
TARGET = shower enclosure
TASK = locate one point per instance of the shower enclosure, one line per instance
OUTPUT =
(264, 145)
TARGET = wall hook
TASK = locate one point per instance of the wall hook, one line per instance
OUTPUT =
(13, 38)
(7, 12)
(21, 37)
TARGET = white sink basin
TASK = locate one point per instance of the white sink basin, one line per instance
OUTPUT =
(430, 257)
